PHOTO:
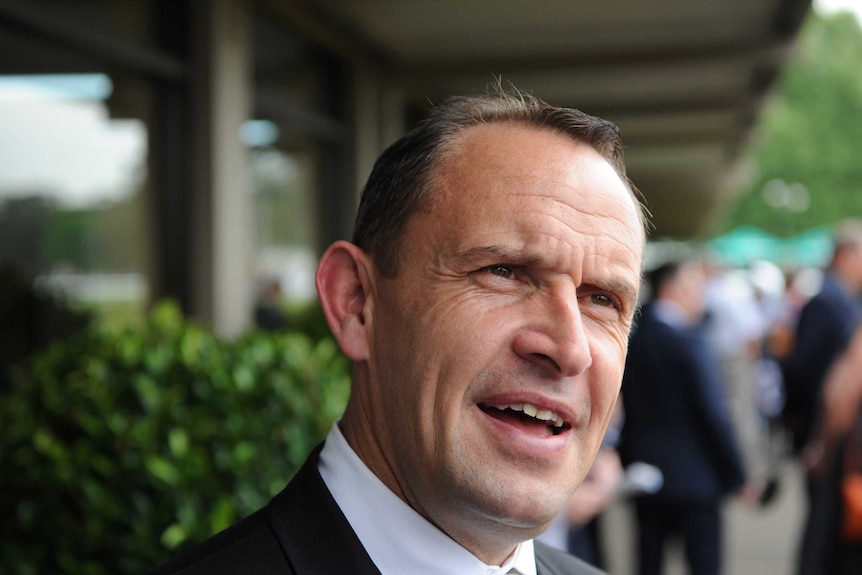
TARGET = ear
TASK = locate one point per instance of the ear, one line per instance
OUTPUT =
(344, 285)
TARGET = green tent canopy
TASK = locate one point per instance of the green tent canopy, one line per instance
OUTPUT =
(747, 244)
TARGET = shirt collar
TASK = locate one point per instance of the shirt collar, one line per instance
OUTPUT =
(396, 537)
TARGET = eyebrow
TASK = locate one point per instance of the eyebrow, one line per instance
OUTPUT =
(496, 253)
(481, 255)
(505, 254)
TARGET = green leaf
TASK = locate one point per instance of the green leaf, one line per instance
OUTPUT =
(223, 514)
(173, 536)
(148, 391)
(162, 469)
(243, 378)
(178, 441)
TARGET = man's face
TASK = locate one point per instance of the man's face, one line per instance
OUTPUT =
(496, 354)
(854, 267)
(690, 289)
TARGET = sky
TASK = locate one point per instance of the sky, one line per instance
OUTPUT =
(58, 140)
(854, 6)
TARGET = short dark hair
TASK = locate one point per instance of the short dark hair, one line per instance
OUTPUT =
(665, 273)
(402, 177)
(846, 234)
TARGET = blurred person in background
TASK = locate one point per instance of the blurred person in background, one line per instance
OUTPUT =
(800, 286)
(734, 328)
(576, 529)
(268, 312)
(836, 449)
(825, 327)
(677, 418)
(769, 284)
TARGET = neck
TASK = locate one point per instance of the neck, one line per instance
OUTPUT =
(488, 539)
(493, 544)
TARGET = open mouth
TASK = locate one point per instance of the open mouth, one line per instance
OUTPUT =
(528, 417)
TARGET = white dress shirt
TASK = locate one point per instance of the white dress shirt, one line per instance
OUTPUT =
(396, 537)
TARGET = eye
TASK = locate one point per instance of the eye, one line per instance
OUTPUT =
(602, 300)
(501, 270)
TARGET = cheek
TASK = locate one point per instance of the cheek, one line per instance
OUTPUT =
(429, 353)
(604, 397)
(458, 352)
(608, 365)
(466, 329)
(399, 363)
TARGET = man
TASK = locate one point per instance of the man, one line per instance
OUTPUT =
(734, 329)
(677, 418)
(832, 456)
(826, 325)
(485, 302)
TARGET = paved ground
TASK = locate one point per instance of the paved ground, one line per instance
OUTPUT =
(759, 541)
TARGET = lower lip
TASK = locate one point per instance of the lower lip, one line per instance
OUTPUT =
(524, 442)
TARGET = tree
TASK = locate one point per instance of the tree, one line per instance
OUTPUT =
(810, 132)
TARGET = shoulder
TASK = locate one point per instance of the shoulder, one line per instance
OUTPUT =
(645, 324)
(831, 296)
(550, 561)
(829, 310)
(250, 546)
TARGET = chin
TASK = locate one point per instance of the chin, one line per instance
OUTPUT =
(533, 511)
(532, 523)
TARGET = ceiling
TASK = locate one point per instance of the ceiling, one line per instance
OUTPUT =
(684, 79)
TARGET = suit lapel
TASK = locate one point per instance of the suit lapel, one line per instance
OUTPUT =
(313, 532)
(317, 539)
(542, 567)
(552, 562)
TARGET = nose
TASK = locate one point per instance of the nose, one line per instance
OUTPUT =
(555, 337)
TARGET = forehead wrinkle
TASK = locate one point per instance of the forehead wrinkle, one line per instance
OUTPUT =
(605, 202)
(619, 238)
(531, 246)
(556, 181)
(613, 259)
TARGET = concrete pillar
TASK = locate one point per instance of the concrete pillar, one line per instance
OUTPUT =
(222, 218)
(379, 118)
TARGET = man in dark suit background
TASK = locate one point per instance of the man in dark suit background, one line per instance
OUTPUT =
(485, 301)
(825, 328)
(677, 418)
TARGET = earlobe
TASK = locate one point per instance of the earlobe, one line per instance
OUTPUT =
(343, 287)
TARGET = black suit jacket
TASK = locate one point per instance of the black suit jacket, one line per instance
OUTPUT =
(676, 413)
(825, 327)
(302, 531)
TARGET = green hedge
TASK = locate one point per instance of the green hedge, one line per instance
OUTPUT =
(120, 448)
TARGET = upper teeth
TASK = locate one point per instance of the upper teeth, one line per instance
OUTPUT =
(533, 411)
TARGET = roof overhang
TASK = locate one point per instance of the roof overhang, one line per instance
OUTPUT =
(684, 79)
